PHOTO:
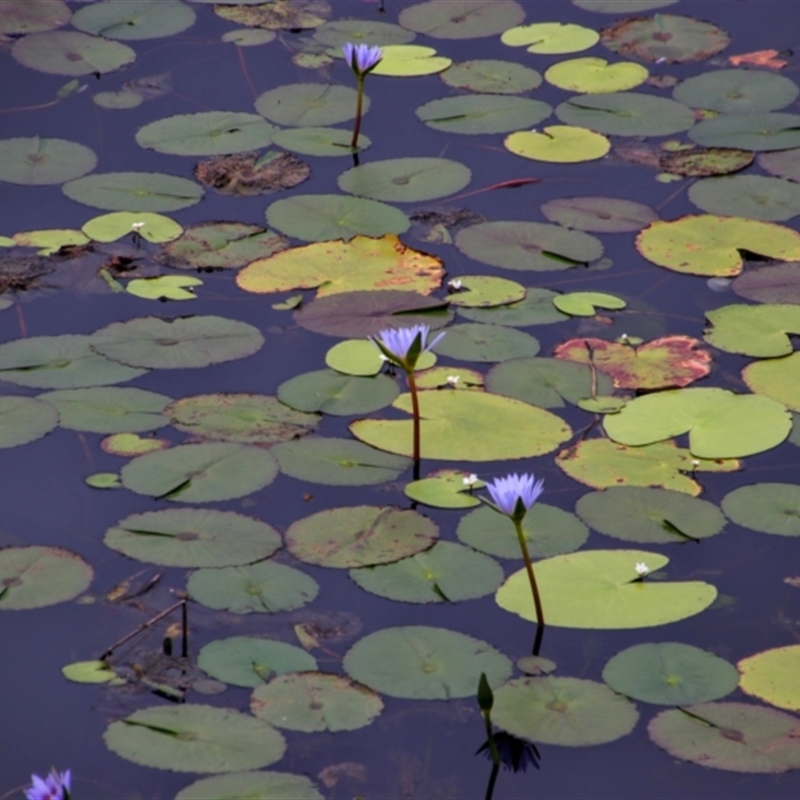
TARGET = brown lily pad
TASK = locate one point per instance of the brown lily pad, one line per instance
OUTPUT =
(275, 15)
(703, 162)
(244, 174)
(776, 283)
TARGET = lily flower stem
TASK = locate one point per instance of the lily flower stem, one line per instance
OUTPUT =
(490, 738)
(412, 385)
(492, 781)
(537, 600)
(359, 109)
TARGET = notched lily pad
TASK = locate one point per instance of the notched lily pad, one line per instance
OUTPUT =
(462, 19)
(25, 419)
(331, 392)
(760, 331)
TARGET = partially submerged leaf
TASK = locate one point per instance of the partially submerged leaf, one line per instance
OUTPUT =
(134, 191)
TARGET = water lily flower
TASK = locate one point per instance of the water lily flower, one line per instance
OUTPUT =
(455, 285)
(404, 346)
(361, 57)
(515, 494)
(470, 480)
(137, 226)
(452, 380)
(54, 787)
(642, 569)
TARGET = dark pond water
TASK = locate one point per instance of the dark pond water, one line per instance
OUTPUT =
(414, 748)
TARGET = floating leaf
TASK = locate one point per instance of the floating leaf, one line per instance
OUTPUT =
(765, 507)
(251, 784)
(650, 516)
(551, 38)
(600, 589)
(34, 577)
(737, 91)
(410, 60)
(23, 16)
(247, 37)
(777, 378)
(772, 676)
(592, 75)
(166, 287)
(752, 196)
(784, 164)
(319, 141)
(446, 573)
(536, 309)
(462, 19)
(332, 393)
(49, 240)
(482, 113)
(626, 114)
(134, 191)
(71, 53)
(424, 663)
(601, 463)
(189, 537)
(760, 132)
(492, 77)
(702, 162)
(151, 227)
(711, 246)
(239, 417)
(290, 15)
(366, 31)
(90, 672)
(25, 419)
(131, 444)
(134, 19)
(485, 291)
(359, 536)
(361, 357)
(585, 304)
(195, 738)
(559, 144)
(599, 214)
(315, 701)
(248, 174)
(720, 424)
(528, 246)
(621, 6)
(201, 473)
(662, 363)
(565, 711)
(34, 161)
(405, 180)
(104, 480)
(177, 344)
(118, 100)
(445, 489)
(450, 377)
(737, 737)
(548, 531)
(309, 104)
(665, 38)
(776, 283)
(486, 343)
(760, 331)
(499, 428)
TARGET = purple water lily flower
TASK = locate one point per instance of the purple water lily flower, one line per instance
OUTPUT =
(362, 58)
(404, 346)
(515, 494)
(54, 787)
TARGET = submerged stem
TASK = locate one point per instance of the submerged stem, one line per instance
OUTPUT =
(359, 108)
(537, 600)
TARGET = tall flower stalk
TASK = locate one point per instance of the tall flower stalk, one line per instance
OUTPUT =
(362, 60)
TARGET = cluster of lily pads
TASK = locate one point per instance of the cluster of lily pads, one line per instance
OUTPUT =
(615, 404)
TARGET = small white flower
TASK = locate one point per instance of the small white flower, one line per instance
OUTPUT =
(642, 569)
(382, 357)
(452, 380)
(470, 480)
(455, 285)
(695, 462)
(623, 338)
(137, 226)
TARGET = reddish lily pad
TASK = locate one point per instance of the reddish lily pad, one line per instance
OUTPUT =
(777, 283)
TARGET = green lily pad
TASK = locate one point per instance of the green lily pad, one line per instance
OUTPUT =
(486, 291)
(154, 228)
(103, 480)
(665, 38)
(551, 38)
(134, 19)
(499, 428)
(34, 577)
(772, 676)
(25, 419)
(565, 711)
(711, 246)
(262, 588)
(737, 737)
(330, 392)
(206, 133)
(599, 214)
(251, 784)
(117, 100)
(492, 77)
(134, 191)
(752, 196)
(446, 573)
(410, 60)
(315, 701)
(319, 141)
(759, 331)
(536, 309)
(90, 672)
(35, 161)
(558, 144)
(601, 463)
(776, 283)
(50, 240)
(461, 19)
(702, 162)
(473, 341)
(189, 537)
(450, 377)
(22, 16)
(760, 132)
(305, 105)
(165, 287)
(626, 114)
(548, 531)
(129, 445)
(783, 164)
(778, 379)
(249, 661)
(528, 246)
(405, 180)
(482, 113)
(585, 304)
(621, 6)
(445, 489)
(720, 424)
(765, 507)
(71, 53)
(545, 382)
(201, 473)
(737, 91)
(361, 314)
(195, 738)
(59, 362)
(177, 344)
(109, 409)
(670, 674)
(424, 663)
(338, 462)
(359, 536)
(600, 589)
(592, 75)
(248, 37)
(362, 358)
(239, 417)
(650, 516)
(367, 31)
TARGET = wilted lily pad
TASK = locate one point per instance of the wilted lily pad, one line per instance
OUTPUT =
(765, 507)
(134, 19)
(737, 91)
(25, 419)
(482, 113)
(424, 663)
(134, 191)
(129, 445)
(189, 537)
(195, 738)
(274, 14)
(492, 77)
(599, 214)
(777, 378)
(601, 589)
(752, 196)
(565, 711)
(772, 676)
(551, 38)
(251, 784)
(315, 701)
(650, 516)
(331, 392)
(71, 53)
(760, 132)
(462, 19)
(559, 144)
(309, 104)
(760, 331)
(474, 341)
(702, 162)
(592, 75)
(359, 536)
(34, 577)
(35, 161)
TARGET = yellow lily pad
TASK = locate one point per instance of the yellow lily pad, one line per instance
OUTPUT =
(551, 38)
(410, 60)
(560, 144)
(592, 75)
